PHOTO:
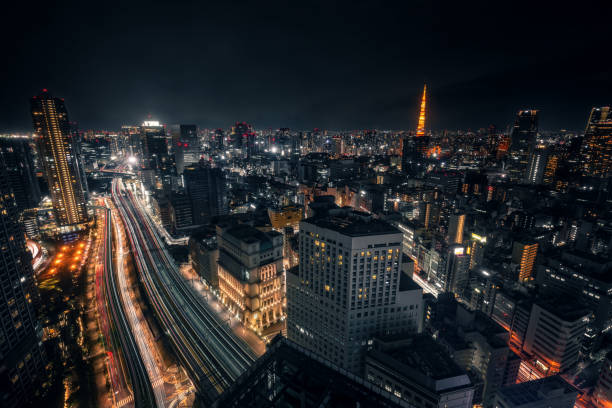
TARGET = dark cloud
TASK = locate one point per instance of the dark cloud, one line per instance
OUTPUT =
(343, 65)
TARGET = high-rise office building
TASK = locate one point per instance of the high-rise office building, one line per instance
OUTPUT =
(582, 276)
(207, 190)
(456, 222)
(59, 161)
(524, 254)
(550, 171)
(522, 139)
(21, 171)
(409, 155)
(476, 249)
(154, 144)
(181, 212)
(537, 165)
(419, 371)
(238, 138)
(456, 272)
(289, 375)
(204, 255)
(132, 139)
(22, 358)
(556, 329)
(349, 287)
(597, 145)
(217, 139)
(77, 142)
(186, 146)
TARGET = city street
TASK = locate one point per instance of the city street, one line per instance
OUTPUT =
(247, 335)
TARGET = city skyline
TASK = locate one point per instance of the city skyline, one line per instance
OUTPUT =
(305, 205)
(411, 124)
(334, 65)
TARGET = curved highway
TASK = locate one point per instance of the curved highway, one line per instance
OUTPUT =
(210, 352)
(144, 395)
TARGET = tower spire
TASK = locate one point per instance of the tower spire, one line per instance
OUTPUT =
(421, 126)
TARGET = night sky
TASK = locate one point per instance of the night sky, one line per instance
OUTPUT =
(335, 65)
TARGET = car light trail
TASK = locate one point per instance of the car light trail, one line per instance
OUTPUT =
(210, 352)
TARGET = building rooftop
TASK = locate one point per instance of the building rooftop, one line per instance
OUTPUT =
(564, 308)
(250, 235)
(353, 224)
(302, 379)
(538, 390)
(422, 359)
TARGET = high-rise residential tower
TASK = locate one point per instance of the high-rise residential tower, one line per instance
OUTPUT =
(21, 171)
(537, 165)
(456, 223)
(597, 145)
(57, 154)
(522, 139)
(476, 249)
(524, 254)
(22, 357)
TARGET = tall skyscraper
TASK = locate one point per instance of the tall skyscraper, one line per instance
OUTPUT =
(217, 139)
(455, 278)
(207, 191)
(59, 161)
(22, 358)
(347, 288)
(132, 140)
(550, 171)
(522, 139)
(154, 144)
(456, 222)
(476, 249)
(238, 138)
(186, 146)
(77, 143)
(597, 145)
(537, 165)
(21, 172)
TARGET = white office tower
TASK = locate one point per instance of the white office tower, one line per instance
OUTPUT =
(349, 287)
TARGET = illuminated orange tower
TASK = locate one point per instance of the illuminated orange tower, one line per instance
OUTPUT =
(421, 140)
(421, 127)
